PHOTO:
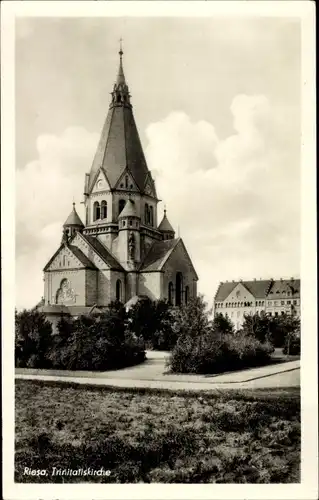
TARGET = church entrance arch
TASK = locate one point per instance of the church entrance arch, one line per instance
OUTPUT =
(178, 289)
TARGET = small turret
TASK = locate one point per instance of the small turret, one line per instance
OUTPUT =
(166, 228)
(72, 225)
(129, 236)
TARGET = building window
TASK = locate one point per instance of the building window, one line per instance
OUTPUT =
(295, 302)
(186, 294)
(282, 302)
(178, 289)
(96, 210)
(288, 302)
(64, 260)
(123, 223)
(282, 312)
(131, 222)
(126, 181)
(103, 210)
(151, 216)
(170, 293)
(276, 314)
(119, 290)
(121, 205)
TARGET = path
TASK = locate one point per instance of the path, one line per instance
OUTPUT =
(151, 374)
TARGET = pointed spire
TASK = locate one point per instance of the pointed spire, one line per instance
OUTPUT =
(165, 227)
(120, 76)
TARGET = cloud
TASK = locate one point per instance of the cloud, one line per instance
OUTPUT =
(45, 189)
(236, 199)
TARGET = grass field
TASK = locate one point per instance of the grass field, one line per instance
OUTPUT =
(157, 436)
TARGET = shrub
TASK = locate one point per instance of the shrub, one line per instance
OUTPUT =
(33, 339)
(100, 342)
(208, 354)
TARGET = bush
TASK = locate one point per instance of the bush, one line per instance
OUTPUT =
(33, 339)
(88, 343)
(207, 354)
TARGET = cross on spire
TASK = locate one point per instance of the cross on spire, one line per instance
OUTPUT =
(121, 49)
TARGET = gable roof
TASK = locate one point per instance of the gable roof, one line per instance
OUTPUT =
(103, 252)
(261, 289)
(87, 263)
(157, 255)
(160, 252)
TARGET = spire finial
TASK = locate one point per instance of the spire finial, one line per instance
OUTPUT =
(121, 49)
(165, 210)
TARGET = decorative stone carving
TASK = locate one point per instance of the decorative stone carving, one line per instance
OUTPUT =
(65, 294)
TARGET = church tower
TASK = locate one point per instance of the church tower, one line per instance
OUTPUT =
(120, 253)
(120, 183)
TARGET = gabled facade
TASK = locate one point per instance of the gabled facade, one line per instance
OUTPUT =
(120, 252)
(274, 297)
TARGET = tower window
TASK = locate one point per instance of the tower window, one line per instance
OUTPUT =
(103, 210)
(96, 210)
(131, 222)
(151, 216)
(146, 213)
(121, 205)
(126, 181)
(119, 290)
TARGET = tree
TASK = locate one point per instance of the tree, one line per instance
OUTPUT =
(193, 319)
(222, 325)
(33, 339)
(259, 326)
(152, 320)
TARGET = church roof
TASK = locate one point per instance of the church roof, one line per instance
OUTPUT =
(87, 263)
(103, 252)
(165, 226)
(120, 147)
(129, 210)
(73, 219)
(157, 255)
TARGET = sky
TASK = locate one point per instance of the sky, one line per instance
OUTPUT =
(217, 106)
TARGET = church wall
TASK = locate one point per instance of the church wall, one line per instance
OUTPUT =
(103, 287)
(179, 262)
(91, 288)
(150, 284)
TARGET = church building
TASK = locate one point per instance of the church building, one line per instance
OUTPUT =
(119, 252)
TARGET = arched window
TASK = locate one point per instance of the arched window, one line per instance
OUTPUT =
(119, 290)
(151, 216)
(64, 260)
(178, 289)
(170, 292)
(103, 210)
(146, 213)
(187, 294)
(121, 205)
(96, 210)
(126, 181)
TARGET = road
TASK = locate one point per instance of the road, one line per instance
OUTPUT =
(153, 374)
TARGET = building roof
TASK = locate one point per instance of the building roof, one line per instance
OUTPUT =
(165, 226)
(103, 252)
(120, 147)
(157, 255)
(129, 210)
(261, 289)
(73, 219)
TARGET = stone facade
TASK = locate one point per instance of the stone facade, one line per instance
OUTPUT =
(273, 297)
